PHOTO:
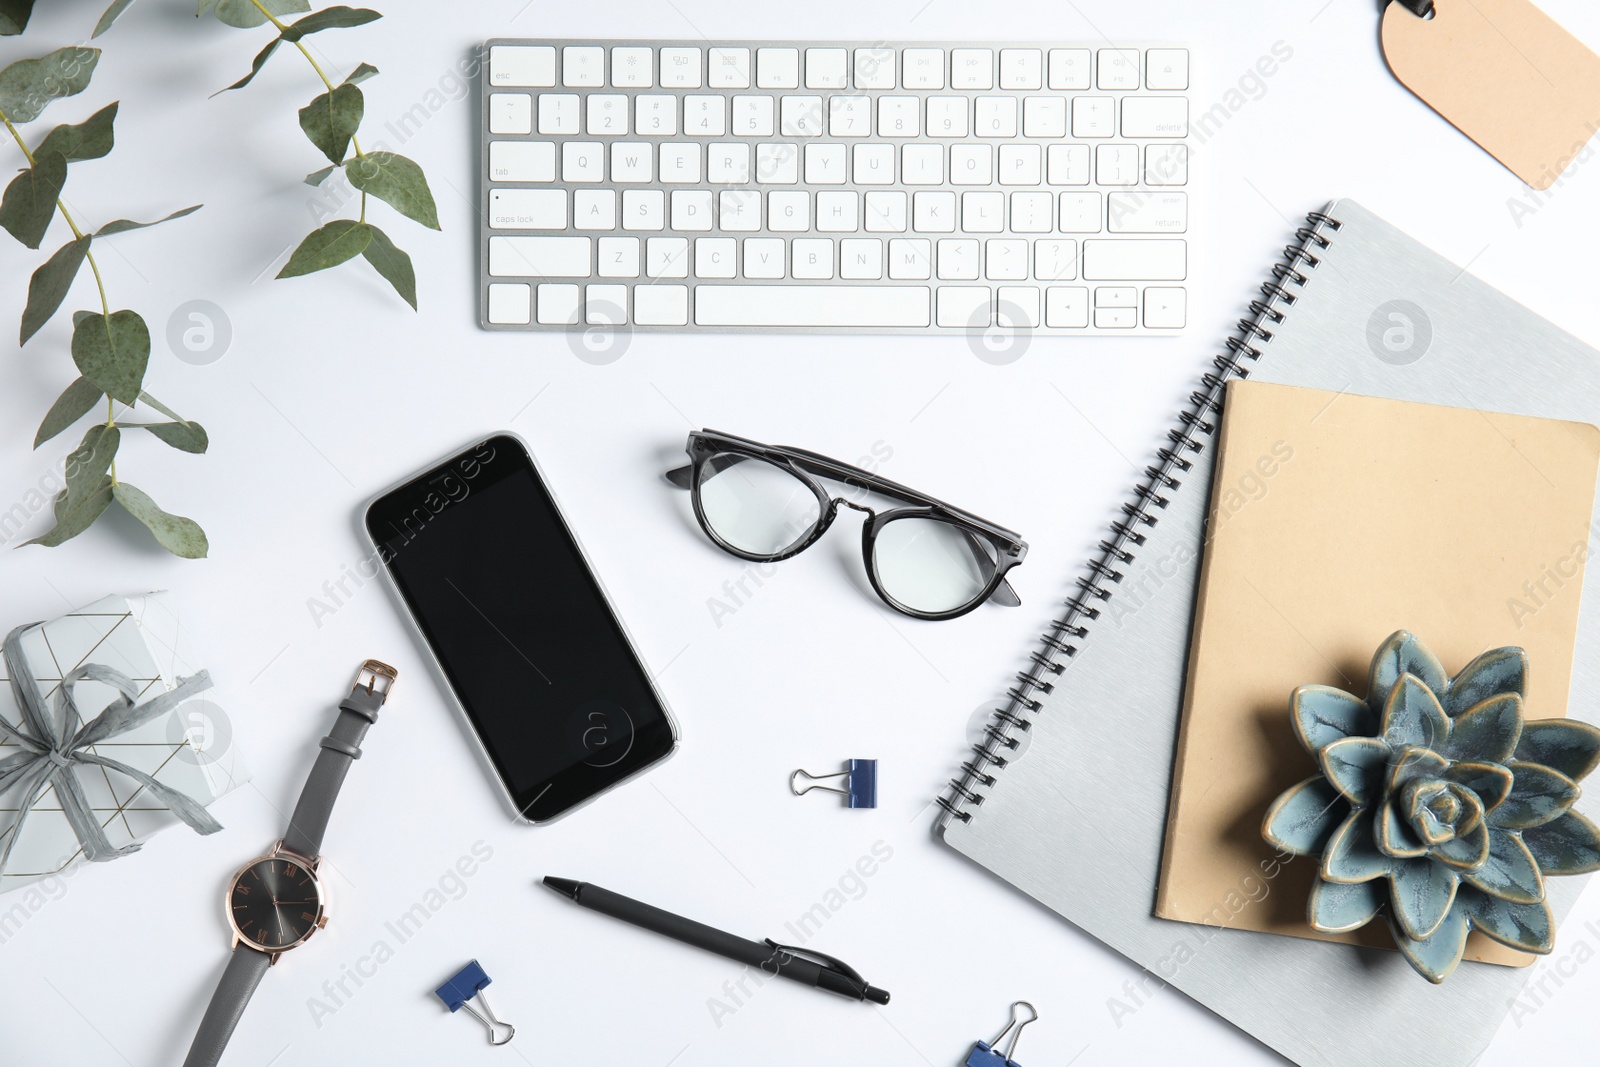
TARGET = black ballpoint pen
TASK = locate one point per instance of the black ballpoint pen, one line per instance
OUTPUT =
(801, 965)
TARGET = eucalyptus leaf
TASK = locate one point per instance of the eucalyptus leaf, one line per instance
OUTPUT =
(117, 8)
(339, 240)
(361, 74)
(14, 16)
(70, 524)
(30, 199)
(317, 177)
(112, 352)
(123, 225)
(79, 316)
(330, 18)
(255, 66)
(74, 403)
(331, 120)
(28, 85)
(146, 398)
(178, 535)
(88, 463)
(398, 182)
(244, 15)
(393, 264)
(49, 285)
(184, 436)
(89, 139)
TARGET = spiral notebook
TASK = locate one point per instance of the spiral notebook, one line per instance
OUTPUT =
(1066, 798)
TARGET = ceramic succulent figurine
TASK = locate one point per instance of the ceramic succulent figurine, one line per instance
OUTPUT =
(1437, 805)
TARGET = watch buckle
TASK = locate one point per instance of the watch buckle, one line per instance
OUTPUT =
(373, 675)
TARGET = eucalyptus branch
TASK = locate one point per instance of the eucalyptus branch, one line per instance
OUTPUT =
(111, 348)
(330, 122)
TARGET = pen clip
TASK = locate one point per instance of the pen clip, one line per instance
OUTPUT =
(838, 965)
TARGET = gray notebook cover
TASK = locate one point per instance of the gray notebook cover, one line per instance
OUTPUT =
(1076, 816)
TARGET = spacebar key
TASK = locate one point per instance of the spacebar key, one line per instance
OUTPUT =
(811, 305)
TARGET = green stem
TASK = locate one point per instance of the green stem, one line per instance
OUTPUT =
(111, 420)
(354, 143)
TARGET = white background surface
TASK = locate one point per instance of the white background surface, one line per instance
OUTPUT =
(332, 389)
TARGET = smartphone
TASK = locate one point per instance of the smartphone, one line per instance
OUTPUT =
(526, 637)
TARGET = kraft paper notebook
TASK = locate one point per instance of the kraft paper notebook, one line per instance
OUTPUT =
(1336, 520)
(1071, 808)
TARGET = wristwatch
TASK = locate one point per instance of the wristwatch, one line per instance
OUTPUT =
(276, 902)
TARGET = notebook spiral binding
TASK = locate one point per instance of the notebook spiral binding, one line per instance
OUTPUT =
(1195, 422)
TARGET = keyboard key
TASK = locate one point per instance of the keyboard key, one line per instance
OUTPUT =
(1116, 318)
(594, 209)
(531, 65)
(1166, 68)
(825, 164)
(510, 303)
(886, 212)
(661, 305)
(899, 116)
(922, 68)
(1147, 212)
(752, 116)
(933, 212)
(777, 164)
(691, 209)
(1166, 164)
(582, 161)
(666, 257)
(1020, 164)
(1069, 68)
(618, 257)
(633, 67)
(705, 116)
(739, 210)
(983, 212)
(644, 209)
(922, 164)
(656, 116)
(1066, 307)
(680, 163)
(801, 116)
(528, 209)
(811, 258)
(827, 68)
(861, 259)
(1081, 213)
(971, 164)
(789, 212)
(1005, 260)
(539, 257)
(1094, 116)
(811, 305)
(849, 116)
(511, 113)
(872, 164)
(680, 68)
(1055, 260)
(965, 307)
(1135, 259)
(558, 113)
(971, 68)
(997, 117)
(947, 116)
(1155, 116)
(874, 68)
(1116, 164)
(1119, 68)
(1017, 307)
(522, 161)
(605, 305)
(838, 212)
(1165, 308)
(715, 257)
(607, 115)
(764, 257)
(583, 66)
(1021, 68)
(1044, 116)
(559, 304)
(728, 68)
(1118, 296)
(777, 68)
(910, 258)
(1032, 212)
(1067, 164)
(958, 259)
(728, 163)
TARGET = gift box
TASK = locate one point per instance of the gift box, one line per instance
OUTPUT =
(122, 736)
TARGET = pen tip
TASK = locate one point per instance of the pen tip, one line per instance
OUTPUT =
(567, 887)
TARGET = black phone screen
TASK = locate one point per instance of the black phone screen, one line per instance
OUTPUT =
(523, 632)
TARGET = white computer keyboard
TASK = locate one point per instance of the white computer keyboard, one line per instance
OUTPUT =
(847, 187)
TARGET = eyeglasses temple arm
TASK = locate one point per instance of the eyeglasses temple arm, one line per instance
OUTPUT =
(682, 477)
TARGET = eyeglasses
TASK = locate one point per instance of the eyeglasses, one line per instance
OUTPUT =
(765, 503)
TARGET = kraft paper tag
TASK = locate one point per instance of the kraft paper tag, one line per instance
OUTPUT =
(1506, 75)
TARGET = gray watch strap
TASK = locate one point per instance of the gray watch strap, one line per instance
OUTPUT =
(342, 747)
(239, 981)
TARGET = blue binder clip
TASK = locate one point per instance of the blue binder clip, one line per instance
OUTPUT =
(983, 1053)
(461, 987)
(860, 783)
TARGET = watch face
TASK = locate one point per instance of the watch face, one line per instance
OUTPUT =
(275, 903)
